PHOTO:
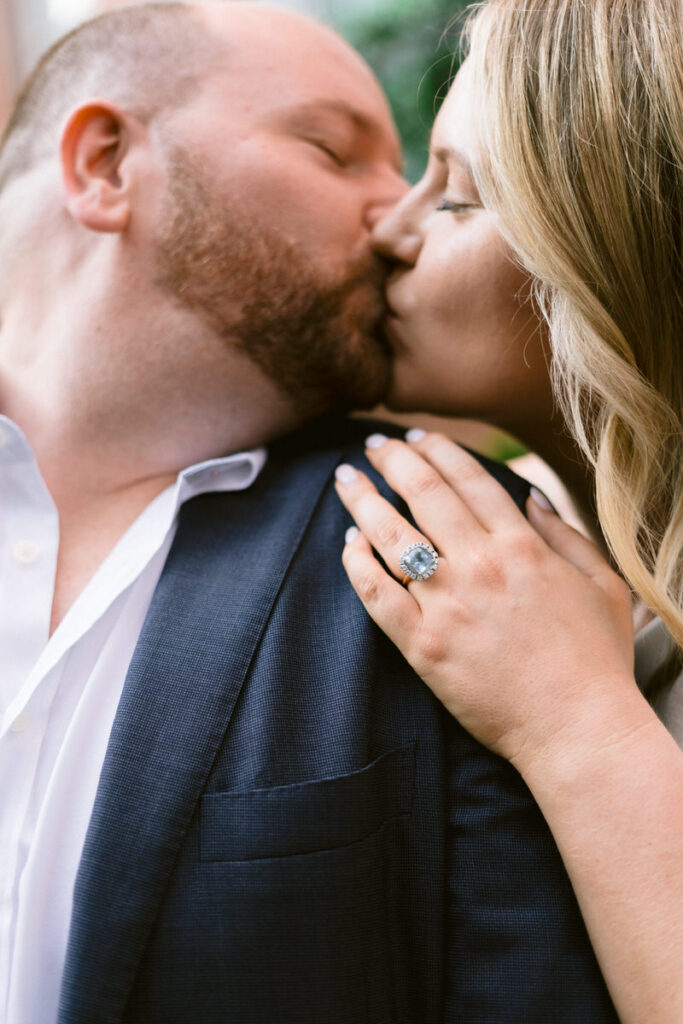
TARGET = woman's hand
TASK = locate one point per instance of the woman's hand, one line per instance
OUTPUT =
(524, 632)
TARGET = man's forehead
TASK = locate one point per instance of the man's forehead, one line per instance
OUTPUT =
(265, 36)
(270, 49)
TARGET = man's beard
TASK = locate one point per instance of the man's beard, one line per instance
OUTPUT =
(317, 339)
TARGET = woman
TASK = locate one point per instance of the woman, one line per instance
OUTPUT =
(547, 232)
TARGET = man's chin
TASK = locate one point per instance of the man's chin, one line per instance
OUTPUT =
(364, 377)
(358, 383)
(365, 397)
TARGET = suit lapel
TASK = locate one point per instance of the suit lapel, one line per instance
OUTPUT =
(223, 574)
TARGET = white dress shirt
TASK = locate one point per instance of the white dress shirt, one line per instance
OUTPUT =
(58, 698)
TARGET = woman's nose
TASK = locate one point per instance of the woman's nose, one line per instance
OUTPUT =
(394, 235)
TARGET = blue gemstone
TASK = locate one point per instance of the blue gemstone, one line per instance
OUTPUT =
(419, 561)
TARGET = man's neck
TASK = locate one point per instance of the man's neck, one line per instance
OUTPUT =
(89, 534)
(100, 485)
(128, 422)
(112, 422)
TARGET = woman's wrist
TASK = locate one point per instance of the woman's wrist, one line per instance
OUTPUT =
(597, 735)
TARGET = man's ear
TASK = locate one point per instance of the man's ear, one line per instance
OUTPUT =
(94, 144)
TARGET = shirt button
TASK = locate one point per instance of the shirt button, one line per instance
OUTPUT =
(25, 552)
(19, 724)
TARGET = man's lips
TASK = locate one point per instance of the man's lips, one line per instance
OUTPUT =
(391, 330)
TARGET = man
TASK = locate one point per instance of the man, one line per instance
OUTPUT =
(225, 797)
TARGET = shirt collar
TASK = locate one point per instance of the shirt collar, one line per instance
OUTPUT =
(229, 473)
(13, 444)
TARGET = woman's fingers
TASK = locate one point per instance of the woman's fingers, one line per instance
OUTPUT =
(484, 497)
(568, 542)
(437, 509)
(386, 529)
(385, 600)
(576, 549)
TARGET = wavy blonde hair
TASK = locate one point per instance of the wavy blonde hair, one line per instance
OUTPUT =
(581, 158)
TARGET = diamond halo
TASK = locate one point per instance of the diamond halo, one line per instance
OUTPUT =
(419, 561)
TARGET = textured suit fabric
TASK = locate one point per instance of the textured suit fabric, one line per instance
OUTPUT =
(289, 828)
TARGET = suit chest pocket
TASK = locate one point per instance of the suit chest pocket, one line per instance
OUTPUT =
(289, 913)
(307, 817)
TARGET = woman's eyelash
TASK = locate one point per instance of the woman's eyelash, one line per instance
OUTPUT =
(447, 206)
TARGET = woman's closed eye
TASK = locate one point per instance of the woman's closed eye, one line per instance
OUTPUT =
(448, 206)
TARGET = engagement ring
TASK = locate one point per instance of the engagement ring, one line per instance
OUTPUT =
(419, 561)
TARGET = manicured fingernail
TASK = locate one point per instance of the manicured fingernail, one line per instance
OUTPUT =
(415, 435)
(540, 499)
(351, 534)
(346, 474)
(375, 441)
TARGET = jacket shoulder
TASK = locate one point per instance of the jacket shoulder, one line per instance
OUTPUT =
(346, 437)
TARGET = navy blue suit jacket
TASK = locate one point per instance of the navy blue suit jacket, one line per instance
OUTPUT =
(289, 829)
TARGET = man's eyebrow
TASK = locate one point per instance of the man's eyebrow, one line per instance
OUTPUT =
(334, 106)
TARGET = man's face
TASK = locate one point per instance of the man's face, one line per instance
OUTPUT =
(281, 169)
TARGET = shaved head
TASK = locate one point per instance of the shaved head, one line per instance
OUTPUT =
(148, 59)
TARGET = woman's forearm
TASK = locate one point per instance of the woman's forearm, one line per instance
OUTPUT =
(612, 793)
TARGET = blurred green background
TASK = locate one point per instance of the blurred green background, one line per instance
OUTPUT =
(414, 49)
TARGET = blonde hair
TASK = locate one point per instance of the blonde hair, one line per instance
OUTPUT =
(581, 158)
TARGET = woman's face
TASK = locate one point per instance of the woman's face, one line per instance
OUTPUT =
(466, 340)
